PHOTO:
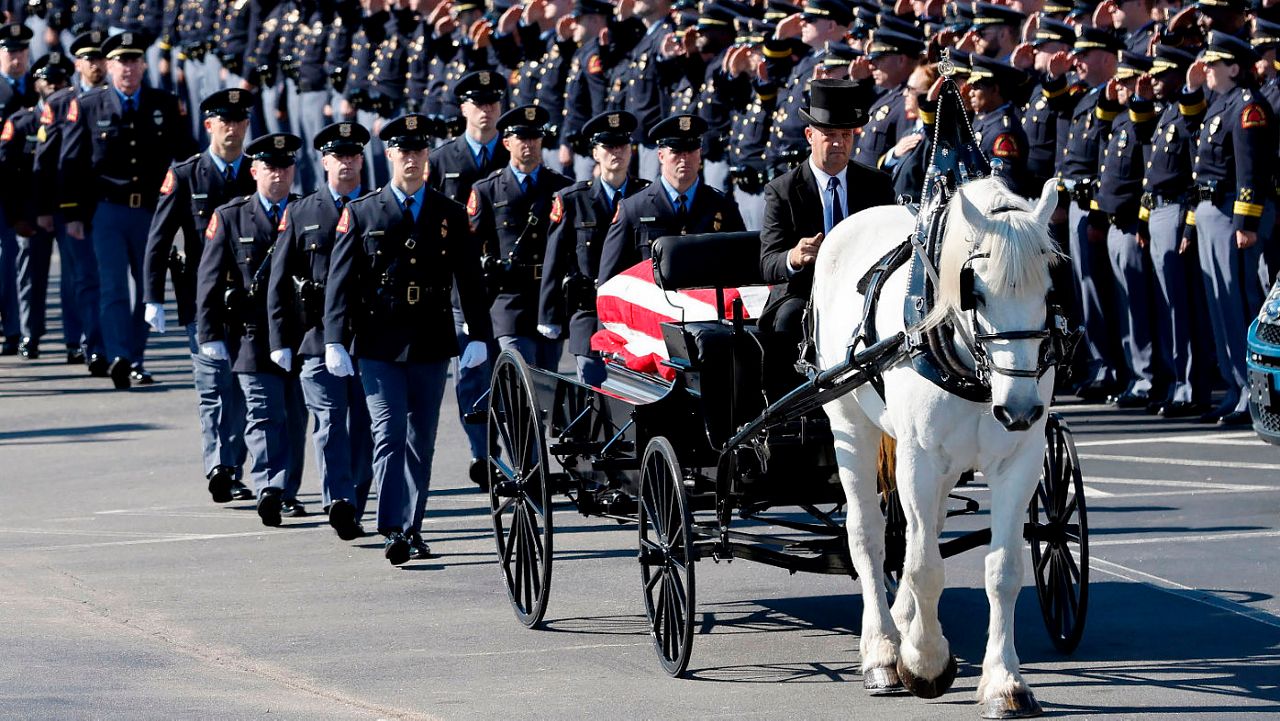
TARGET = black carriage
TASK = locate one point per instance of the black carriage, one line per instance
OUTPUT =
(688, 462)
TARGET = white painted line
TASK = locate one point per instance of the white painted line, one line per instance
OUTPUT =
(1177, 589)
(1197, 485)
(149, 541)
(1180, 462)
(1245, 438)
(1091, 492)
(1186, 538)
(94, 534)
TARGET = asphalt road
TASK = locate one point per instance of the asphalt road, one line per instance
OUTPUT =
(125, 593)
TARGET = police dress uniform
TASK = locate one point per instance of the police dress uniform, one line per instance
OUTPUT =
(580, 216)
(192, 190)
(654, 212)
(887, 119)
(1234, 169)
(125, 144)
(231, 309)
(509, 216)
(638, 89)
(586, 86)
(368, 35)
(391, 272)
(998, 131)
(749, 134)
(295, 307)
(305, 67)
(15, 94)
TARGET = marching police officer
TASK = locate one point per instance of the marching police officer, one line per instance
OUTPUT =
(509, 211)
(677, 204)
(1234, 170)
(398, 254)
(231, 310)
(123, 137)
(295, 303)
(580, 216)
(17, 91)
(192, 190)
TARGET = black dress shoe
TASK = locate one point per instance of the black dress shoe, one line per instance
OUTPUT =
(98, 366)
(269, 506)
(29, 348)
(418, 548)
(291, 508)
(342, 517)
(1236, 418)
(1182, 409)
(239, 492)
(396, 549)
(140, 376)
(119, 372)
(1129, 399)
(1212, 416)
(9, 347)
(479, 472)
(220, 484)
(74, 356)
(1093, 392)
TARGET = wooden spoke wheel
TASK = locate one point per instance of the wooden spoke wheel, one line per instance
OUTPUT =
(1059, 535)
(666, 555)
(519, 492)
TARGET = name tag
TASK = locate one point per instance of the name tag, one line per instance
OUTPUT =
(451, 176)
(502, 203)
(310, 227)
(650, 219)
(199, 196)
(587, 224)
(246, 240)
(104, 123)
(377, 233)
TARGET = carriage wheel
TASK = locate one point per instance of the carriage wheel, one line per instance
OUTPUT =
(666, 557)
(519, 494)
(1059, 536)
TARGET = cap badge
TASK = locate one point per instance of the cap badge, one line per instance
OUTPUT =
(615, 120)
(411, 123)
(344, 130)
(15, 30)
(234, 96)
(484, 78)
(685, 123)
(126, 39)
(279, 142)
(530, 113)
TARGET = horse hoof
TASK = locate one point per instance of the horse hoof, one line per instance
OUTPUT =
(882, 681)
(923, 688)
(1021, 704)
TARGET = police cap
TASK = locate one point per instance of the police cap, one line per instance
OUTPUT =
(679, 132)
(88, 44)
(1227, 48)
(15, 36)
(54, 67)
(1132, 65)
(1049, 30)
(1222, 5)
(1055, 8)
(1266, 35)
(232, 104)
(526, 121)
(610, 129)
(278, 150)
(125, 46)
(778, 10)
(345, 138)
(1095, 39)
(1004, 76)
(834, 10)
(716, 16)
(481, 87)
(890, 42)
(410, 132)
(838, 55)
(989, 14)
(1169, 58)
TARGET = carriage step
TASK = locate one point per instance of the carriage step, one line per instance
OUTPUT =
(576, 448)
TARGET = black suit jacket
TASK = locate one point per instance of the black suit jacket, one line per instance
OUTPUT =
(793, 210)
(453, 169)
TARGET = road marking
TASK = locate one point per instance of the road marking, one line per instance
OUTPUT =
(1180, 462)
(580, 647)
(95, 534)
(1197, 485)
(1187, 538)
(1232, 438)
(149, 541)
(1177, 589)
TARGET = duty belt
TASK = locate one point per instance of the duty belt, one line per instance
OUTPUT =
(1151, 201)
(130, 200)
(1082, 192)
(1208, 191)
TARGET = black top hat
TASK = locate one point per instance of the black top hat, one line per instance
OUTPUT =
(890, 42)
(592, 7)
(1053, 31)
(15, 36)
(54, 67)
(1227, 48)
(985, 14)
(834, 10)
(89, 44)
(1169, 58)
(834, 104)
(481, 87)
(1132, 65)
(345, 138)
(526, 121)
(610, 129)
(1095, 39)
(126, 45)
(231, 104)
(1005, 76)
(410, 132)
(679, 132)
(276, 149)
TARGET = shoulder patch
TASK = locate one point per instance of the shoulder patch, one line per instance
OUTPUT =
(212, 231)
(344, 222)
(1004, 146)
(170, 183)
(7, 134)
(595, 66)
(1253, 116)
(46, 114)
(284, 218)
(73, 110)
(557, 209)
(473, 203)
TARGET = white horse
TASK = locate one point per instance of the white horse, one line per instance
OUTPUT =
(939, 435)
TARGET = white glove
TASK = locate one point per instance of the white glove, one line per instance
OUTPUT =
(154, 315)
(216, 350)
(550, 332)
(474, 355)
(337, 361)
(283, 358)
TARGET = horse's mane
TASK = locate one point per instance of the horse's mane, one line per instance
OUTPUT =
(1019, 245)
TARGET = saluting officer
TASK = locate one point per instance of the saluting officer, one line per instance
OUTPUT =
(398, 254)
(893, 57)
(580, 216)
(1044, 124)
(295, 304)
(455, 168)
(509, 211)
(992, 84)
(117, 145)
(678, 204)
(192, 190)
(231, 309)
(637, 86)
(1234, 170)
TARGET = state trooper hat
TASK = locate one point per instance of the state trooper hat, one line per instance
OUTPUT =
(233, 104)
(126, 45)
(54, 67)
(1004, 76)
(279, 150)
(1095, 39)
(1169, 58)
(89, 44)
(526, 121)
(890, 42)
(679, 132)
(345, 138)
(833, 104)
(610, 129)
(481, 87)
(1226, 48)
(15, 36)
(1132, 65)
(410, 132)
(1049, 30)
(834, 10)
(989, 14)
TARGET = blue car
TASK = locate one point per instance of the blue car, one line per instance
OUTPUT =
(1264, 368)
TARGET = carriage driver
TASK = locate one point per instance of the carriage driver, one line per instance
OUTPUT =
(803, 205)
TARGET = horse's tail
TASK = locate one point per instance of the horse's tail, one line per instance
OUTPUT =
(887, 465)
